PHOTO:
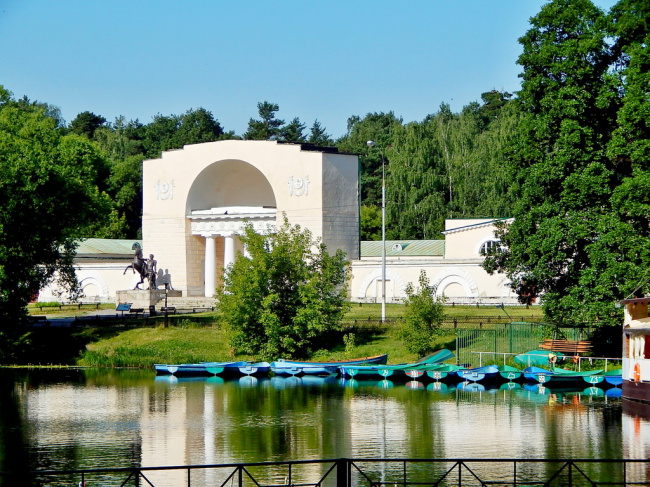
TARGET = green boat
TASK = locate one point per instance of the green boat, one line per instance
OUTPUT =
(444, 371)
(399, 371)
(509, 373)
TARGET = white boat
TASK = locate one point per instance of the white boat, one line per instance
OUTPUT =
(636, 350)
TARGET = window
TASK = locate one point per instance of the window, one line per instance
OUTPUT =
(486, 246)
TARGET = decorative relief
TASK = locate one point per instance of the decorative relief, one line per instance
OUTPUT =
(164, 190)
(298, 186)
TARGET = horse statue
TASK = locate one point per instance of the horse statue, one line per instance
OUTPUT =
(138, 264)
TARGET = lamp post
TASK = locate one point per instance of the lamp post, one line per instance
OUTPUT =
(370, 143)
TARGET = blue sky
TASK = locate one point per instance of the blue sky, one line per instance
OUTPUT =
(323, 60)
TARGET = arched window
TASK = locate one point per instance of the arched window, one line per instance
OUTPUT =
(487, 245)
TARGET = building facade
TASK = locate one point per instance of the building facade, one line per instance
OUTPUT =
(196, 201)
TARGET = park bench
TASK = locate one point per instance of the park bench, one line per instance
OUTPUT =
(574, 347)
(33, 319)
(168, 309)
(136, 311)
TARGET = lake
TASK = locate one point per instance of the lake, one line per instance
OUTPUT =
(76, 419)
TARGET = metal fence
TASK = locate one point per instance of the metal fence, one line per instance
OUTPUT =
(510, 338)
(371, 472)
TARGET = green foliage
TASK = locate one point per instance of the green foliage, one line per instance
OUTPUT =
(580, 229)
(268, 126)
(50, 199)
(370, 223)
(423, 316)
(287, 298)
(86, 123)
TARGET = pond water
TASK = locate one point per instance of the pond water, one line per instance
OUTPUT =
(76, 419)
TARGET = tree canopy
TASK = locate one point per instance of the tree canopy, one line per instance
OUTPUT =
(286, 296)
(50, 198)
(580, 232)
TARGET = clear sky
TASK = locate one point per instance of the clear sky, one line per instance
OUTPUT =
(324, 60)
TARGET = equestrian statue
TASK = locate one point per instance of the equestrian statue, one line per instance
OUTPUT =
(145, 267)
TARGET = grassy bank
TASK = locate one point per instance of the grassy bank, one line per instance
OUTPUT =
(186, 342)
(198, 338)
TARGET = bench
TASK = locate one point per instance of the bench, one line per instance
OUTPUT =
(168, 309)
(574, 347)
(37, 319)
(136, 311)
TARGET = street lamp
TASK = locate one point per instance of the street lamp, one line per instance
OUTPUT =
(370, 143)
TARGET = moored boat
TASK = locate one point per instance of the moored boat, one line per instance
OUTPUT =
(636, 350)
(258, 369)
(479, 374)
(284, 367)
(444, 371)
(509, 373)
(614, 377)
(399, 371)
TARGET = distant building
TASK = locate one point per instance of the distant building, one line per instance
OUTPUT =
(197, 199)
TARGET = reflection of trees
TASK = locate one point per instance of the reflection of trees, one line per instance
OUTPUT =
(14, 454)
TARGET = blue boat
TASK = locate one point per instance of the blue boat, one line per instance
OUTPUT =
(258, 369)
(614, 377)
(283, 367)
(479, 374)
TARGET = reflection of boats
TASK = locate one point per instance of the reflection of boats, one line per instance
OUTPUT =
(296, 367)
(470, 387)
(636, 350)
(507, 386)
(593, 391)
(438, 387)
(479, 374)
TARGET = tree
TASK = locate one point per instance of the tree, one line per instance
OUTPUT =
(370, 223)
(318, 136)
(268, 126)
(49, 198)
(86, 123)
(293, 131)
(423, 315)
(287, 298)
(567, 241)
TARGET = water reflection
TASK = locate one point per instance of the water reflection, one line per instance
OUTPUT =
(94, 419)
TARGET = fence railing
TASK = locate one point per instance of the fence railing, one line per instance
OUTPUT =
(370, 472)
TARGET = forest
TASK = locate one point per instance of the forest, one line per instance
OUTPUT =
(567, 157)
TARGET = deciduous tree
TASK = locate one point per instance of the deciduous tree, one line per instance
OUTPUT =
(287, 297)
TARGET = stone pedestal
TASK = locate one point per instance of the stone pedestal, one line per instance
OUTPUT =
(146, 298)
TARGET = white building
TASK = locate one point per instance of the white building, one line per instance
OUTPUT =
(197, 199)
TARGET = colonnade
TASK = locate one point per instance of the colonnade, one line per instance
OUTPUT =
(210, 259)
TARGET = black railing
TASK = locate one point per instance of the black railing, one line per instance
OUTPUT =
(344, 472)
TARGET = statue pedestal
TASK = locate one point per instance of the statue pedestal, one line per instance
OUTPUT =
(145, 299)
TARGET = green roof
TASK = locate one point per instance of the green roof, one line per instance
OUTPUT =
(404, 248)
(106, 246)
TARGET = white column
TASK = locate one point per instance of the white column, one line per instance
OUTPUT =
(228, 249)
(210, 266)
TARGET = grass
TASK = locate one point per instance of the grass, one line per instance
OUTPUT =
(199, 338)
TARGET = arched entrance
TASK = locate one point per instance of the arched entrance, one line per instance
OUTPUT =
(223, 197)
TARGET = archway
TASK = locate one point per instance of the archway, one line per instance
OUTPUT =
(223, 197)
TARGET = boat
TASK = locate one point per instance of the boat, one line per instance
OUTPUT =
(509, 373)
(557, 375)
(636, 350)
(614, 377)
(536, 358)
(479, 374)
(398, 371)
(258, 369)
(444, 371)
(198, 369)
(284, 367)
